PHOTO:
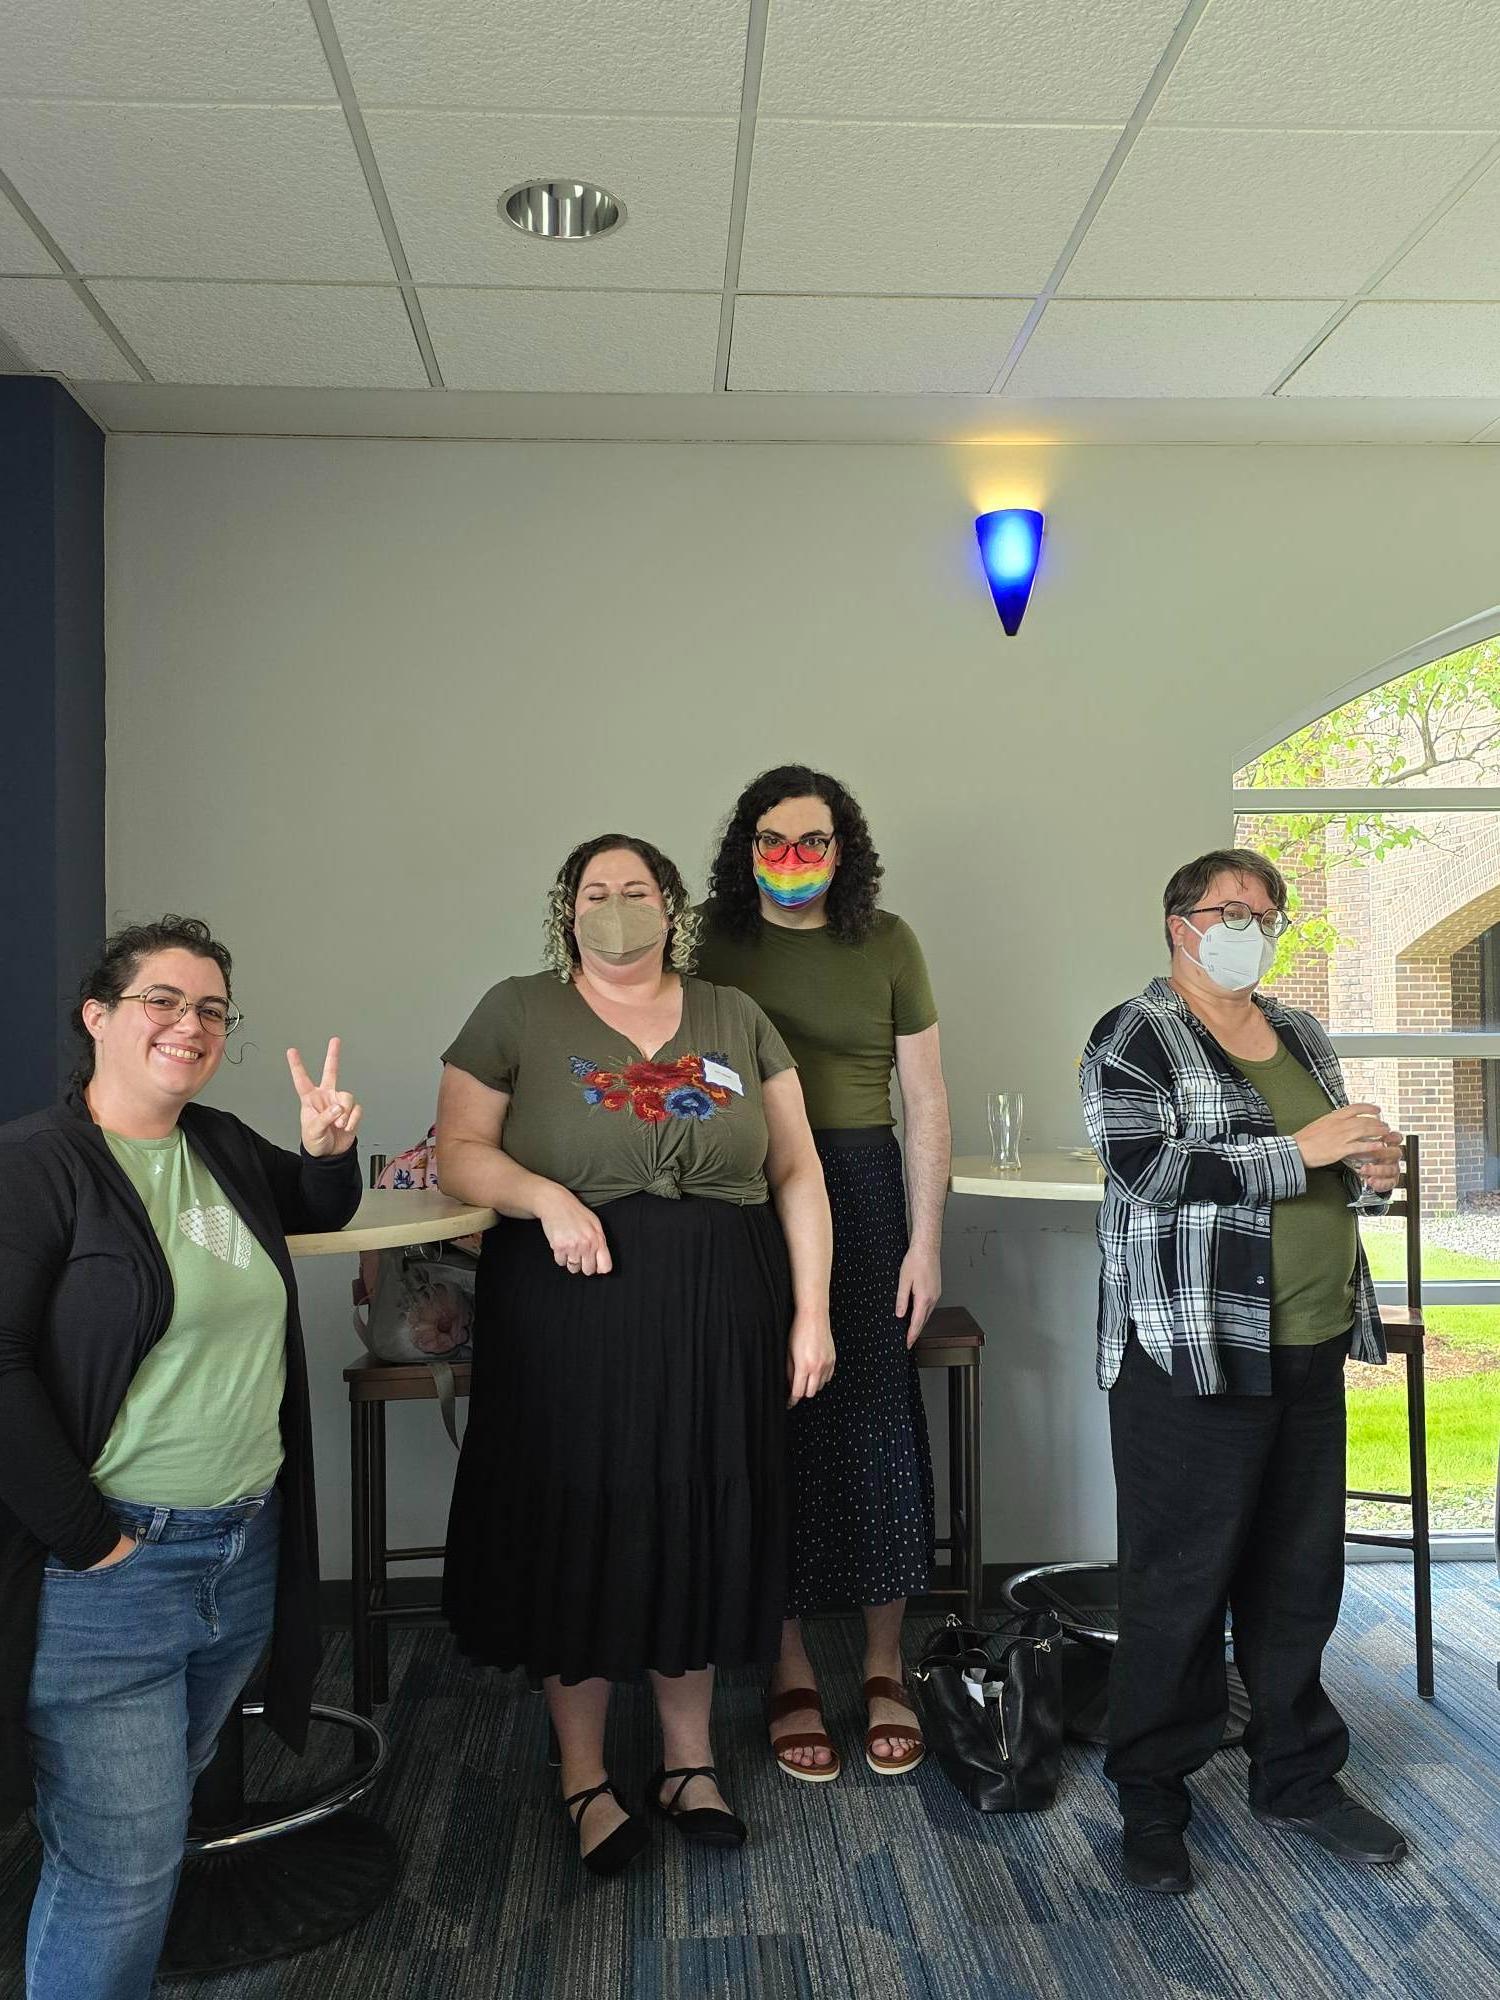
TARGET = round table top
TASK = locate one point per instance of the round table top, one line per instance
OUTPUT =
(1042, 1176)
(388, 1217)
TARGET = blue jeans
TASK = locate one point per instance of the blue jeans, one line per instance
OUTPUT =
(136, 1668)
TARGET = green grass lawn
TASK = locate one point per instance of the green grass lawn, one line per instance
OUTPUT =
(1463, 1413)
(1463, 1422)
(1387, 1255)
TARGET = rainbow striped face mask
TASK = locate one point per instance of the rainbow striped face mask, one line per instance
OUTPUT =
(793, 883)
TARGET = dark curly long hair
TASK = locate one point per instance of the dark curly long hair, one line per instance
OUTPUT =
(122, 958)
(560, 951)
(734, 900)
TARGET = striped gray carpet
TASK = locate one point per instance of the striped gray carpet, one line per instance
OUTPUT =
(889, 1888)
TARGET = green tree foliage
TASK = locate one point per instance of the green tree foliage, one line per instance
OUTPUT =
(1439, 725)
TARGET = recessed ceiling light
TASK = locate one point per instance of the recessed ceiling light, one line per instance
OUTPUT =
(561, 211)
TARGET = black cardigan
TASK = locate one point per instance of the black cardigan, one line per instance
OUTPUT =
(84, 1295)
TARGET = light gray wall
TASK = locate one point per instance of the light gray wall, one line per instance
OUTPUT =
(362, 697)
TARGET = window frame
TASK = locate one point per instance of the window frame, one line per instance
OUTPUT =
(1474, 1045)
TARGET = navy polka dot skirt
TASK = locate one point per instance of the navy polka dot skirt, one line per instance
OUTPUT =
(862, 1511)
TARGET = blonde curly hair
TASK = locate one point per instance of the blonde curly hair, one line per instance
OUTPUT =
(684, 925)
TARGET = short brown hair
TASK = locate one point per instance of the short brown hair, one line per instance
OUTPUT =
(1191, 881)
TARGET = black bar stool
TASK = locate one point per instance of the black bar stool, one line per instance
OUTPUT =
(1405, 1330)
(954, 1340)
(372, 1384)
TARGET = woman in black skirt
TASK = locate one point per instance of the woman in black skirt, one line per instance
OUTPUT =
(640, 1330)
(793, 922)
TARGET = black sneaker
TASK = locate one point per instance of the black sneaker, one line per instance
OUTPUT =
(1349, 1830)
(1156, 1858)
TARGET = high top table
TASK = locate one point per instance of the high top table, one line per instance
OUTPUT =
(264, 1880)
(1054, 1176)
(388, 1218)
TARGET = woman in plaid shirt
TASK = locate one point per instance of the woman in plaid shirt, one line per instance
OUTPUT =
(1233, 1289)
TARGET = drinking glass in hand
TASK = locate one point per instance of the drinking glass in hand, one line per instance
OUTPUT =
(1367, 1201)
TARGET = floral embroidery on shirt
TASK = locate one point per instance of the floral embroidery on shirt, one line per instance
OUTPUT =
(653, 1091)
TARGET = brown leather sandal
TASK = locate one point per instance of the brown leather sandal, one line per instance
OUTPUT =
(916, 1750)
(787, 1703)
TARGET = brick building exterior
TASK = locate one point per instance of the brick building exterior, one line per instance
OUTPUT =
(1415, 926)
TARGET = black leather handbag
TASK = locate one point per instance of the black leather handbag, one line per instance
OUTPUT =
(991, 1708)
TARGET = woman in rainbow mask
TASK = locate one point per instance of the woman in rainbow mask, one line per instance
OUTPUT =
(792, 921)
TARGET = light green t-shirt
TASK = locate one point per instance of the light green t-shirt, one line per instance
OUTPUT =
(1313, 1237)
(200, 1425)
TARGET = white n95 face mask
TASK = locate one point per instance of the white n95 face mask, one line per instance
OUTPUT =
(1233, 959)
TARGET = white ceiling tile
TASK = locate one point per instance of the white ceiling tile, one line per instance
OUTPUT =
(942, 347)
(1406, 350)
(57, 333)
(1072, 60)
(204, 50)
(20, 252)
(661, 56)
(1459, 257)
(446, 171)
(196, 191)
(588, 342)
(1263, 214)
(915, 208)
(1350, 63)
(1164, 347)
(311, 336)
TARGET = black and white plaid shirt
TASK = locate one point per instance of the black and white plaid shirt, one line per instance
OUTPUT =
(1194, 1164)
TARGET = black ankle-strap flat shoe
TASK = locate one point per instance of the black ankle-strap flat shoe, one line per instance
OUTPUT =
(618, 1849)
(708, 1825)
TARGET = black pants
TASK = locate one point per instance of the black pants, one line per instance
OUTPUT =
(1237, 1501)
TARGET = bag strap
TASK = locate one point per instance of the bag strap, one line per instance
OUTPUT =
(447, 1395)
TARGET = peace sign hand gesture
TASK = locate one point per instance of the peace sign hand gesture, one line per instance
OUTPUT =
(330, 1116)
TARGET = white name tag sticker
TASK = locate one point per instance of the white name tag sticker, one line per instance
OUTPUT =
(724, 1077)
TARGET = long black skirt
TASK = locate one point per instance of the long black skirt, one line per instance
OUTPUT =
(862, 1505)
(621, 1494)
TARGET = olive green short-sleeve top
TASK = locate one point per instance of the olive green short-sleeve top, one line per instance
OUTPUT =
(839, 1005)
(589, 1111)
(1314, 1238)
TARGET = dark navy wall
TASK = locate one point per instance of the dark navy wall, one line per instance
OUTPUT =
(51, 728)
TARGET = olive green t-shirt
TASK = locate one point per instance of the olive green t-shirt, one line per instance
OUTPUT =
(201, 1421)
(840, 1006)
(589, 1111)
(1314, 1238)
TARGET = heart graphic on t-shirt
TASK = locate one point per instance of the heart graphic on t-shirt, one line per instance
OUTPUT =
(220, 1232)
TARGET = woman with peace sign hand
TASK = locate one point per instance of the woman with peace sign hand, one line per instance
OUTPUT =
(156, 1484)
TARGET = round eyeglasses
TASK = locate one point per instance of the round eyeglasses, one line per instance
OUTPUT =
(166, 1006)
(1240, 916)
(775, 847)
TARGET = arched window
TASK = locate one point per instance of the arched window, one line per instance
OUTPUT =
(1384, 813)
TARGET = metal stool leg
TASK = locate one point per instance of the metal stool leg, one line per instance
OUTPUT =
(957, 1526)
(973, 1500)
(261, 1882)
(359, 1536)
(1421, 1555)
(380, 1532)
